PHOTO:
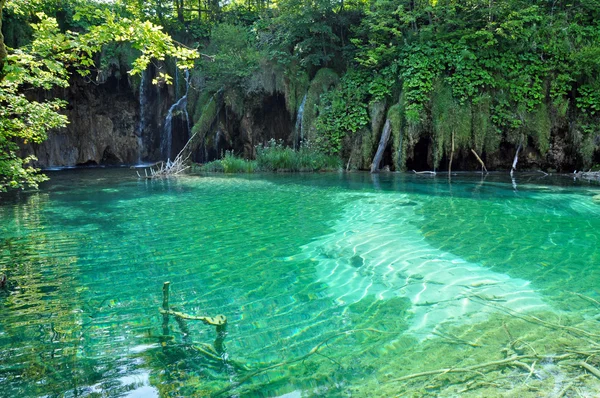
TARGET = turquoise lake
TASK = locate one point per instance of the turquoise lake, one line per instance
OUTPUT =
(332, 285)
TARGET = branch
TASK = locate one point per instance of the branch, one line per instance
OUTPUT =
(514, 360)
(313, 351)
(480, 161)
(211, 57)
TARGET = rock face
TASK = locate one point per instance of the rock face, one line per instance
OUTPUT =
(101, 130)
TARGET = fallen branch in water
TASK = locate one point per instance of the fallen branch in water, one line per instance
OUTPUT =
(534, 319)
(167, 169)
(218, 320)
(480, 161)
(513, 360)
(587, 367)
(587, 175)
(425, 172)
(313, 351)
(586, 298)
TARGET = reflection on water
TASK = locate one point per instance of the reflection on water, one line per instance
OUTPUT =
(333, 285)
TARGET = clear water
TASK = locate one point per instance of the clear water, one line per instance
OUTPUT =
(333, 285)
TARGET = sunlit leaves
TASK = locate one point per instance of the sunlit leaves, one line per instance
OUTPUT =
(45, 64)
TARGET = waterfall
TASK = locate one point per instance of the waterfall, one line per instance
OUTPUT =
(166, 143)
(142, 124)
(217, 136)
(299, 129)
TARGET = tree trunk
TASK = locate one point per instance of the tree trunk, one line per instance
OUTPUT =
(385, 136)
(179, 6)
(3, 53)
(451, 156)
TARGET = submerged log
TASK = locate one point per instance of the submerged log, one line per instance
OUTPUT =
(219, 321)
(385, 136)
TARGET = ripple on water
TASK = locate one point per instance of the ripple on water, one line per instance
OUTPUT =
(377, 249)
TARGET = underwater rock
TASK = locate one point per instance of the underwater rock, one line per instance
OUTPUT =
(357, 261)
(596, 199)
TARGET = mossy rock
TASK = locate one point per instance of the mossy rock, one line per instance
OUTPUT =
(596, 199)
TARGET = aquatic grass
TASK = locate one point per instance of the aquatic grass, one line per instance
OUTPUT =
(216, 166)
(230, 163)
(276, 157)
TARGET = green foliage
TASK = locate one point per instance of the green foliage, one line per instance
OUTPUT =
(514, 69)
(396, 117)
(228, 164)
(296, 85)
(44, 63)
(276, 157)
(539, 125)
(233, 164)
(370, 137)
(485, 135)
(311, 33)
(419, 69)
(216, 166)
(322, 82)
(233, 57)
(342, 111)
(451, 122)
(205, 116)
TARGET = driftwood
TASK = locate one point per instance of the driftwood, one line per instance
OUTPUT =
(167, 169)
(587, 175)
(480, 161)
(385, 136)
(219, 321)
(425, 172)
(180, 164)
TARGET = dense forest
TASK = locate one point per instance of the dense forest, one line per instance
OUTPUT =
(428, 81)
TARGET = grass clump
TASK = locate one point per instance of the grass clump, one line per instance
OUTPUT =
(229, 164)
(276, 157)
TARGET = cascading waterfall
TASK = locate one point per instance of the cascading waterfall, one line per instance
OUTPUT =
(166, 143)
(142, 124)
(299, 129)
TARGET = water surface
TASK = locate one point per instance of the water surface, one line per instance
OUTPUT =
(333, 285)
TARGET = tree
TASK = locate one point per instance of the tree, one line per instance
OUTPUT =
(45, 63)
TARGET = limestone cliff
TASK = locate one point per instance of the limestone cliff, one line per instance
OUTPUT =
(105, 126)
